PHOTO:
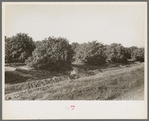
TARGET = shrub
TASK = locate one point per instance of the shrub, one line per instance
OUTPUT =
(53, 53)
(18, 47)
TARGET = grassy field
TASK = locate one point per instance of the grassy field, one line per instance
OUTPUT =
(105, 82)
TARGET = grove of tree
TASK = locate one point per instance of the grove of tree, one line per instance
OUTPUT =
(56, 53)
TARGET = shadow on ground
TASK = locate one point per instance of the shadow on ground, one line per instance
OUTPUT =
(15, 64)
(82, 70)
(87, 67)
(14, 78)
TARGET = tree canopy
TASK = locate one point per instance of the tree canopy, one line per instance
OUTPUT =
(51, 53)
(91, 53)
(18, 47)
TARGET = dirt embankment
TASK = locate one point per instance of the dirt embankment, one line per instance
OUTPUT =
(106, 85)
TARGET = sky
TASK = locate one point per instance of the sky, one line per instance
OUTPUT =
(106, 23)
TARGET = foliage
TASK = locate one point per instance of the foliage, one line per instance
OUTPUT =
(38, 43)
(133, 48)
(116, 53)
(128, 52)
(91, 53)
(74, 47)
(18, 47)
(52, 53)
(138, 54)
(56, 52)
(7, 50)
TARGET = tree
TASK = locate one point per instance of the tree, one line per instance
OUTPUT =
(74, 47)
(116, 53)
(133, 48)
(53, 53)
(7, 50)
(18, 47)
(91, 53)
(128, 52)
(38, 43)
(138, 54)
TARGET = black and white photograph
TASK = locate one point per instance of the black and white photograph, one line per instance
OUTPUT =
(71, 51)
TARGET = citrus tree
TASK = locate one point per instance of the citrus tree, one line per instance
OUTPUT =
(18, 47)
(52, 53)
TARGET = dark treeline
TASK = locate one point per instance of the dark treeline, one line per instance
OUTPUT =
(55, 53)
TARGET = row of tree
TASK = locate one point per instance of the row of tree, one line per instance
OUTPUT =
(97, 53)
(57, 52)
